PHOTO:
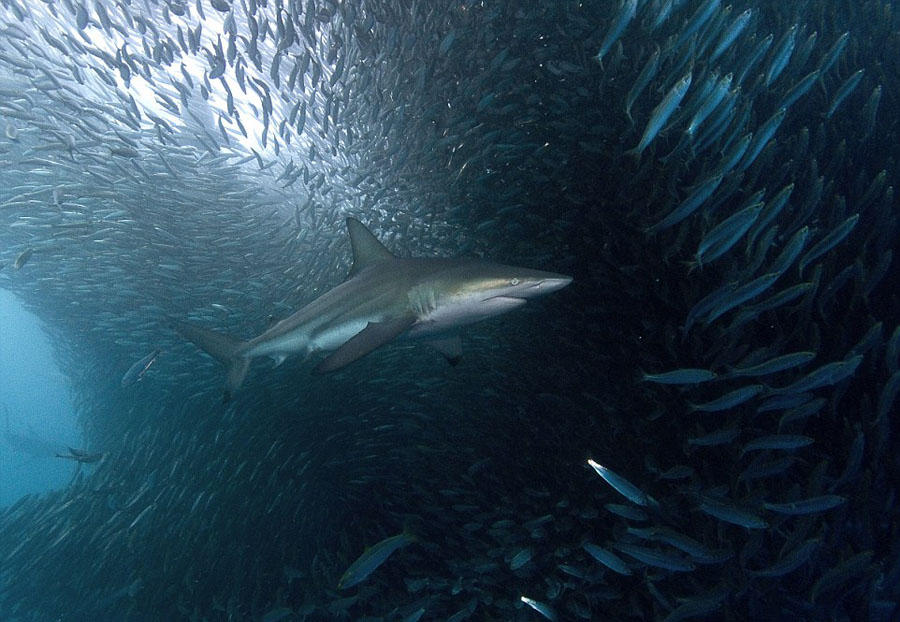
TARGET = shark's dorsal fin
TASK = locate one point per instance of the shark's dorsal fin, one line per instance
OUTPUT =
(367, 250)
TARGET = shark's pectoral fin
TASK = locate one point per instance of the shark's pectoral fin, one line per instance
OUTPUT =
(375, 334)
(449, 347)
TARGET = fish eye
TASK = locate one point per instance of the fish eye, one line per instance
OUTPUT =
(514, 281)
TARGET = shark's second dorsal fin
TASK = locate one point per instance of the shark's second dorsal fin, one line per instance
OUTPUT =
(367, 250)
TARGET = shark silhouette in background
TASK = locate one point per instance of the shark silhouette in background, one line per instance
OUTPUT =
(81, 456)
(33, 445)
(29, 443)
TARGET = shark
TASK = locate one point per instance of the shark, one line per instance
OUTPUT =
(383, 298)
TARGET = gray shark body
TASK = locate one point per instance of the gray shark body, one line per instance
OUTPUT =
(383, 298)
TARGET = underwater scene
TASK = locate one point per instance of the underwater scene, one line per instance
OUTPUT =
(446, 310)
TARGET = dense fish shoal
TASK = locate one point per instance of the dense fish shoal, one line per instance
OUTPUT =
(718, 179)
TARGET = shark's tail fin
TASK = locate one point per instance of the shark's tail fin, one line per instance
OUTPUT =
(223, 348)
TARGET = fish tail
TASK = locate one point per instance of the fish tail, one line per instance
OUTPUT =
(224, 349)
(693, 264)
(634, 155)
(411, 532)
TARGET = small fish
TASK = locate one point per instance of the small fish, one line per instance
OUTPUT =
(702, 191)
(124, 151)
(446, 43)
(832, 55)
(791, 251)
(780, 298)
(733, 515)
(680, 376)
(664, 10)
(841, 573)
(725, 235)
(799, 90)
(626, 14)
(415, 616)
(802, 412)
(23, 258)
(686, 544)
(734, 155)
(607, 558)
(371, 559)
(572, 571)
(136, 372)
(773, 208)
(762, 138)
(779, 363)
(729, 400)
(722, 436)
(777, 441)
(696, 21)
(870, 111)
(520, 559)
(826, 375)
(829, 241)
(622, 485)
(626, 511)
(802, 507)
(540, 607)
(844, 91)
(655, 557)
(643, 79)
(781, 55)
(731, 33)
(680, 471)
(741, 295)
(662, 112)
(710, 104)
(789, 562)
(762, 468)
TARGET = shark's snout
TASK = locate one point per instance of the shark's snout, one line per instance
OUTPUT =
(552, 284)
(542, 286)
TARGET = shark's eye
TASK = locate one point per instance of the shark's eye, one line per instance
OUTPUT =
(514, 281)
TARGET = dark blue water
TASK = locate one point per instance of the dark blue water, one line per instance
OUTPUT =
(728, 350)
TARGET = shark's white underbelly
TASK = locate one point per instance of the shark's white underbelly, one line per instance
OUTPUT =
(433, 319)
(333, 337)
(450, 317)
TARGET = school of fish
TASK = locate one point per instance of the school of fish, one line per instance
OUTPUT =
(703, 425)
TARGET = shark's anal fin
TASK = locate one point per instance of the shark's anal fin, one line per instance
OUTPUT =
(449, 347)
(375, 334)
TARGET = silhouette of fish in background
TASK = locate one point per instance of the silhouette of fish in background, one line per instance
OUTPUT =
(199, 160)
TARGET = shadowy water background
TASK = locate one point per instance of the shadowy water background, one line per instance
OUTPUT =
(35, 396)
